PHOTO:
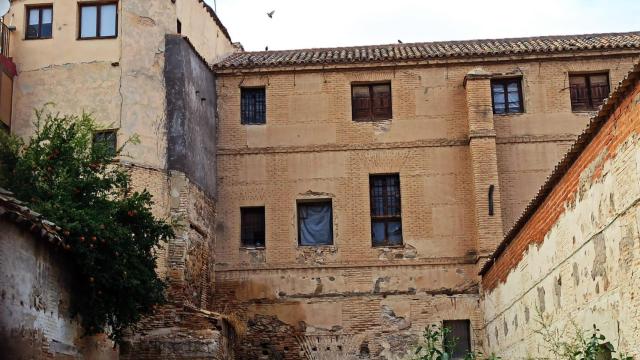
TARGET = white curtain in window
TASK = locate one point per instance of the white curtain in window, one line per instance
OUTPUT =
(108, 20)
(89, 16)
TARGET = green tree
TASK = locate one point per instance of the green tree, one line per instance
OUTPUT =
(108, 228)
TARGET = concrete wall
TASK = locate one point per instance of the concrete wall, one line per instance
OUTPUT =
(310, 148)
(578, 256)
(191, 114)
(36, 289)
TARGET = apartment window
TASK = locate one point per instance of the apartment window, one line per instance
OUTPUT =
(507, 96)
(371, 102)
(252, 233)
(457, 340)
(386, 220)
(253, 106)
(107, 139)
(39, 22)
(315, 223)
(98, 21)
(588, 91)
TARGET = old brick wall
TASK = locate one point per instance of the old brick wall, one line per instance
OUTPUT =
(310, 148)
(36, 289)
(577, 257)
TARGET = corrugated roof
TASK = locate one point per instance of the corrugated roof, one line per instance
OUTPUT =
(585, 138)
(431, 50)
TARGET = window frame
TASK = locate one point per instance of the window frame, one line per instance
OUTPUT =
(587, 76)
(244, 121)
(243, 244)
(98, 5)
(106, 131)
(308, 202)
(504, 81)
(371, 116)
(384, 218)
(39, 7)
(467, 323)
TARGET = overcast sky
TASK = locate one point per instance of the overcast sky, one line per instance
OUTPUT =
(327, 23)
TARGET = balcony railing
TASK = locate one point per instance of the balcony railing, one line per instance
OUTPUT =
(4, 38)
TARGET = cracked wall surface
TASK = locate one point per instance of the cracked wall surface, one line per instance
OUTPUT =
(577, 258)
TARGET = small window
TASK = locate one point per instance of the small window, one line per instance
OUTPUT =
(507, 96)
(588, 91)
(179, 27)
(39, 22)
(457, 341)
(386, 219)
(98, 21)
(371, 102)
(107, 139)
(253, 106)
(315, 223)
(252, 232)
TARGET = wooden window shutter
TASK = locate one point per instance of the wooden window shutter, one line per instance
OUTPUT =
(381, 95)
(361, 102)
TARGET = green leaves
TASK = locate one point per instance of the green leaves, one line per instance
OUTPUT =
(109, 230)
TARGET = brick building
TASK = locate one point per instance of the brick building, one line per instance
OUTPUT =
(339, 197)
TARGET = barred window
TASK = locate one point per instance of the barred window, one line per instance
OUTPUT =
(253, 106)
(315, 223)
(386, 219)
(106, 138)
(457, 340)
(252, 224)
(588, 91)
(507, 96)
(371, 102)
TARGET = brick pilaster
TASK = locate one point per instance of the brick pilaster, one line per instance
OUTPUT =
(484, 164)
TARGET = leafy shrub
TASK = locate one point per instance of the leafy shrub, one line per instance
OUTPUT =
(108, 229)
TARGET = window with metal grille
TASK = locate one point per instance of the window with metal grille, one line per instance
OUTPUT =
(457, 340)
(386, 219)
(315, 223)
(252, 233)
(106, 138)
(98, 21)
(253, 106)
(39, 22)
(507, 96)
(588, 91)
(371, 102)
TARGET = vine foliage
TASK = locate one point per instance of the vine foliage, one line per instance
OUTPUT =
(109, 231)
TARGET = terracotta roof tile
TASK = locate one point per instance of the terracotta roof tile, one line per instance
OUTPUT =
(431, 50)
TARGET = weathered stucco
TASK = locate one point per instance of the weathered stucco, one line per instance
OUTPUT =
(585, 269)
(36, 289)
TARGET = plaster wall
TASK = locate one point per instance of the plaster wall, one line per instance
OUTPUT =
(583, 267)
(36, 288)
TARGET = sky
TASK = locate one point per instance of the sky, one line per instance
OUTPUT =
(328, 23)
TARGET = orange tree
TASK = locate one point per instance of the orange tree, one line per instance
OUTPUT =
(108, 228)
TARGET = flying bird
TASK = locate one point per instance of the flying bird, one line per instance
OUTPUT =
(266, 48)
(270, 14)
(400, 42)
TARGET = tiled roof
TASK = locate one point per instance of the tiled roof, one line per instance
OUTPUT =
(431, 50)
(17, 212)
(585, 138)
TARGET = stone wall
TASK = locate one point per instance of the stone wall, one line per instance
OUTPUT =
(577, 257)
(36, 289)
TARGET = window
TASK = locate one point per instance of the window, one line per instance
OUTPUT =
(507, 96)
(588, 91)
(98, 21)
(315, 223)
(457, 341)
(371, 102)
(386, 220)
(253, 106)
(252, 232)
(39, 22)
(107, 139)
